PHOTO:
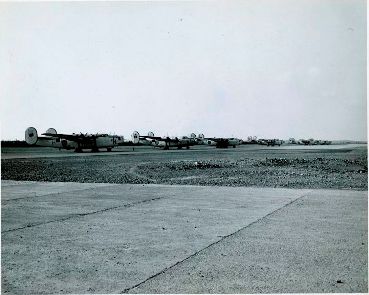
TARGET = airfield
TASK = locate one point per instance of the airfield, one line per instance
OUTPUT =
(254, 219)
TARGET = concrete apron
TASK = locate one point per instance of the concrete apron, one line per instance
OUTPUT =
(110, 238)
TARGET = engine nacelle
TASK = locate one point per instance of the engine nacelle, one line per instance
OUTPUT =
(210, 142)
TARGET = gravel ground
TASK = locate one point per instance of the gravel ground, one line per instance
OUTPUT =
(327, 169)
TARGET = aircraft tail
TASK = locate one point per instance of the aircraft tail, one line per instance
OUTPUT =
(51, 131)
(135, 137)
(31, 135)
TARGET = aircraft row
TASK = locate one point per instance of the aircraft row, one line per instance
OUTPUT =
(310, 141)
(274, 142)
(184, 141)
(94, 142)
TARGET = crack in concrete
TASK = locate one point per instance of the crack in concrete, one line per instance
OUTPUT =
(212, 244)
(82, 214)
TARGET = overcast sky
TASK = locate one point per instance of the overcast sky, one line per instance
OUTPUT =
(269, 68)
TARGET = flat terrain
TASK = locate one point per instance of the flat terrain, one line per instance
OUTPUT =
(129, 238)
(252, 219)
(334, 166)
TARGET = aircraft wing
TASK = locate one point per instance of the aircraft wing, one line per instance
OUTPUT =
(71, 137)
(151, 137)
(216, 139)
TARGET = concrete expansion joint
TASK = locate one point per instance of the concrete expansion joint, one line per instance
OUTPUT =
(214, 243)
(57, 193)
(82, 214)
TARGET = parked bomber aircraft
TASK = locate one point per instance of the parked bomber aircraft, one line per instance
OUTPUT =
(270, 142)
(304, 141)
(312, 141)
(78, 142)
(220, 142)
(162, 142)
(144, 140)
(250, 140)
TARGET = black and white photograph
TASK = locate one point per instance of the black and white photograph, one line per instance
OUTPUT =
(184, 147)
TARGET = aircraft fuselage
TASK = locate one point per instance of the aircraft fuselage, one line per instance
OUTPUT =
(78, 142)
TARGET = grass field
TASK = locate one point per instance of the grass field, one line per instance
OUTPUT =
(333, 167)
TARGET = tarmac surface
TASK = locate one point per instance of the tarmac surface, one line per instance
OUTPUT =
(151, 238)
(49, 152)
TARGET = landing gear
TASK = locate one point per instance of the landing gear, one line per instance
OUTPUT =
(95, 150)
(234, 146)
(78, 150)
(188, 147)
(108, 149)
